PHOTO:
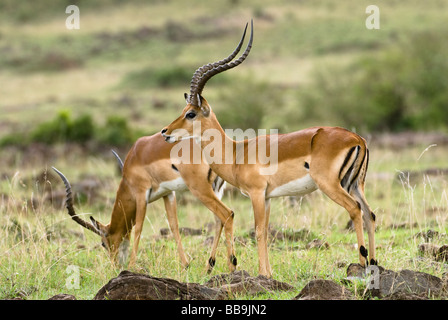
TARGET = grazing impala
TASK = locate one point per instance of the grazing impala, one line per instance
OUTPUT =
(331, 159)
(147, 175)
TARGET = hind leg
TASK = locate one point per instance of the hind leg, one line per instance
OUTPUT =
(338, 194)
(171, 213)
(369, 220)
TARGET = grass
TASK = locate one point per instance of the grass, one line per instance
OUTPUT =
(40, 242)
(124, 61)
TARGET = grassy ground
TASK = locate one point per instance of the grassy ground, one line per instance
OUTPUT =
(135, 60)
(40, 243)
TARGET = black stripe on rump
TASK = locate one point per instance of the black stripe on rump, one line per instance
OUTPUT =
(344, 181)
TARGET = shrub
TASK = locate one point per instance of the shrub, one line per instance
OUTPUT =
(246, 106)
(116, 132)
(404, 87)
(56, 130)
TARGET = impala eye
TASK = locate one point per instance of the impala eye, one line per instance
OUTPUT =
(190, 115)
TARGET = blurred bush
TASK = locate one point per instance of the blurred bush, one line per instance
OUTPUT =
(404, 87)
(158, 77)
(116, 132)
(63, 128)
(244, 103)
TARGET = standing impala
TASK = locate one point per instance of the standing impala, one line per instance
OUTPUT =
(331, 159)
(147, 175)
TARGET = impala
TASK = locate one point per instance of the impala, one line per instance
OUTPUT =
(331, 159)
(148, 175)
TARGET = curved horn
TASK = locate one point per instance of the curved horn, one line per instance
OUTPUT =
(69, 205)
(204, 73)
(119, 161)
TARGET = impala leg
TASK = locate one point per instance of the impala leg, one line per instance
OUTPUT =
(171, 212)
(345, 200)
(369, 220)
(261, 232)
(139, 219)
(267, 209)
(225, 216)
(218, 229)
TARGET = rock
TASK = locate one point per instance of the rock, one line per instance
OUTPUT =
(280, 234)
(405, 296)
(134, 286)
(63, 296)
(442, 253)
(241, 282)
(324, 290)
(317, 243)
(408, 281)
(427, 235)
(428, 249)
(184, 231)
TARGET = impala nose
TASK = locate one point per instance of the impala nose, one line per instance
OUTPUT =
(163, 131)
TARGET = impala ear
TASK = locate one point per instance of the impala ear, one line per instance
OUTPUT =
(97, 225)
(205, 108)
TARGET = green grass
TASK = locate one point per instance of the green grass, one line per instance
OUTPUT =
(39, 243)
(132, 61)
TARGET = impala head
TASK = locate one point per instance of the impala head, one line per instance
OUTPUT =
(92, 225)
(197, 108)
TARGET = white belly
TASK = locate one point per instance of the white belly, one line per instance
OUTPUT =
(165, 188)
(297, 187)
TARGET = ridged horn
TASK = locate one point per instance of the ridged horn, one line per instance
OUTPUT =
(204, 73)
(69, 205)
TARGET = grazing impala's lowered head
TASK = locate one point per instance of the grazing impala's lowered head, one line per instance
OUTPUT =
(197, 107)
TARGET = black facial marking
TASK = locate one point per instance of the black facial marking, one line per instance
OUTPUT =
(307, 166)
(363, 251)
(233, 260)
(211, 262)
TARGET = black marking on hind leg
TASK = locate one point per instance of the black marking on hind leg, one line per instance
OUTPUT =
(233, 260)
(233, 214)
(211, 262)
(174, 167)
(373, 262)
(349, 154)
(373, 216)
(209, 174)
(307, 166)
(363, 252)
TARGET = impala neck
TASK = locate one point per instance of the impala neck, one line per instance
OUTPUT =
(219, 150)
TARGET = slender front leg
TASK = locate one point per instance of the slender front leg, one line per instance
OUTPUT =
(218, 229)
(171, 213)
(206, 195)
(261, 232)
(139, 219)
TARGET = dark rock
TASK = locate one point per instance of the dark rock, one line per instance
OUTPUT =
(324, 290)
(63, 296)
(408, 281)
(317, 243)
(241, 282)
(134, 286)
